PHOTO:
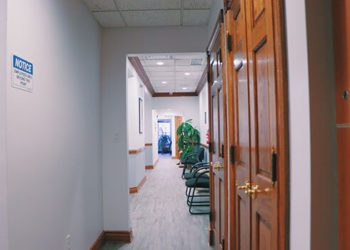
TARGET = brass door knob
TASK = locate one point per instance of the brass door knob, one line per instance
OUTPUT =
(244, 187)
(217, 165)
(255, 189)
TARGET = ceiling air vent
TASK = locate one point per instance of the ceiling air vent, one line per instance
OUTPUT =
(196, 62)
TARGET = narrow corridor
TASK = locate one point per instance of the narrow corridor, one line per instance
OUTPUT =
(159, 214)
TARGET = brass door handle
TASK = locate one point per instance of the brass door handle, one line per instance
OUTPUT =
(244, 187)
(255, 189)
(217, 165)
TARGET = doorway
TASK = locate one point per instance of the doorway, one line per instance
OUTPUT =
(165, 137)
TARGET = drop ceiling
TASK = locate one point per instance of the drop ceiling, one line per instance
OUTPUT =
(143, 13)
(174, 73)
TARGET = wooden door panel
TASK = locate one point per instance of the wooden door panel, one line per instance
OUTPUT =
(217, 138)
(343, 137)
(215, 129)
(241, 128)
(257, 87)
(341, 25)
(259, 8)
(263, 140)
(221, 124)
(263, 233)
(263, 125)
(243, 212)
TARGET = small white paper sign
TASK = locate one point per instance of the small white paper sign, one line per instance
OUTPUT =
(22, 74)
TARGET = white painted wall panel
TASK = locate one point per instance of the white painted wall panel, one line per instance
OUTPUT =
(3, 165)
(324, 181)
(54, 133)
(299, 126)
(188, 107)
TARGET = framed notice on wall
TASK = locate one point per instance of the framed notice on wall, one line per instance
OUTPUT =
(140, 116)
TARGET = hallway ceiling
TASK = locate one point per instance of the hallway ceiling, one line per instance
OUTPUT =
(143, 13)
(172, 73)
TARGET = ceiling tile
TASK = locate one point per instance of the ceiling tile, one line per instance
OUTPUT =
(98, 5)
(159, 69)
(163, 74)
(185, 62)
(173, 75)
(109, 19)
(189, 68)
(152, 18)
(182, 75)
(198, 4)
(196, 17)
(154, 63)
(148, 4)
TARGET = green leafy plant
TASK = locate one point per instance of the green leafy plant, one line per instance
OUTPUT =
(188, 138)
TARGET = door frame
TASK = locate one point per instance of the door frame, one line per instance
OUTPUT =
(282, 120)
(218, 29)
(178, 121)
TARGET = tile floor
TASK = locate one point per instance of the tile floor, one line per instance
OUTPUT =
(159, 215)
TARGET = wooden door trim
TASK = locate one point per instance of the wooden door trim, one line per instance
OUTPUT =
(178, 121)
(213, 38)
(283, 128)
(215, 32)
(210, 138)
(231, 119)
(225, 132)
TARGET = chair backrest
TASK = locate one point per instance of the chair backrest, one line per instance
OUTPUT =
(201, 154)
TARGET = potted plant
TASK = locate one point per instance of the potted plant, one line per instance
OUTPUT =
(188, 138)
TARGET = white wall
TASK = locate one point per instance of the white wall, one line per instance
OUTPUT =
(135, 91)
(117, 43)
(204, 113)
(136, 162)
(148, 117)
(54, 133)
(148, 129)
(299, 126)
(3, 166)
(324, 182)
(188, 107)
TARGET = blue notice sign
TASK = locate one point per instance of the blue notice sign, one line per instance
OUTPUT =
(22, 74)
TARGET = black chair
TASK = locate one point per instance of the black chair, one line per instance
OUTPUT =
(191, 159)
(194, 197)
(195, 171)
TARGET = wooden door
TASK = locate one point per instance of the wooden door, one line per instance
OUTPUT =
(178, 121)
(217, 143)
(263, 120)
(258, 111)
(341, 24)
(241, 128)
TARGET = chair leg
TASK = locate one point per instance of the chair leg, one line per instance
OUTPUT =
(190, 198)
(192, 205)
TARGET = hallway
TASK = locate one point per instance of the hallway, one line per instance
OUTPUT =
(160, 217)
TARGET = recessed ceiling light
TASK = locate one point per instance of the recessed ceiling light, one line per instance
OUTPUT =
(187, 73)
(164, 82)
(160, 63)
(184, 88)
